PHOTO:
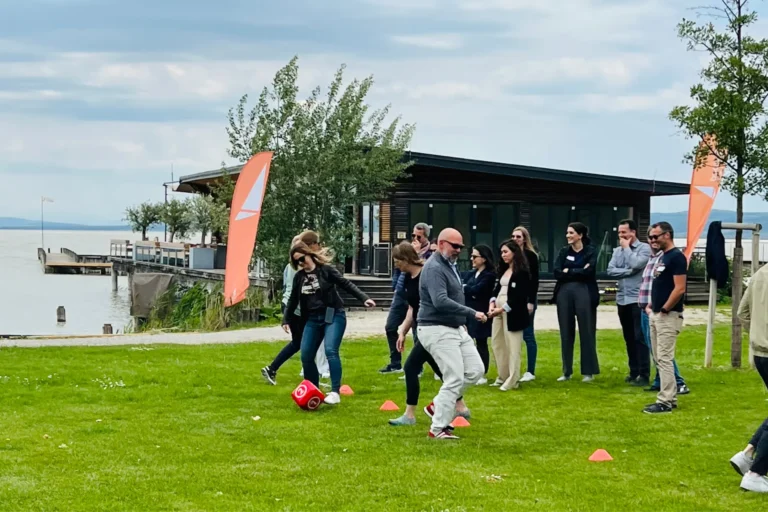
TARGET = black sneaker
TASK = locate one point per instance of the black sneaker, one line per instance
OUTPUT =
(629, 379)
(682, 389)
(658, 408)
(653, 388)
(269, 375)
(391, 368)
(641, 382)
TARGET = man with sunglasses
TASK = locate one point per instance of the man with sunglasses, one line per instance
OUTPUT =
(399, 308)
(442, 321)
(666, 313)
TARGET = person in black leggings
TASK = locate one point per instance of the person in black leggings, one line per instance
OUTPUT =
(410, 265)
(478, 290)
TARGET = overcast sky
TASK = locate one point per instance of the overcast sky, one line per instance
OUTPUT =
(100, 98)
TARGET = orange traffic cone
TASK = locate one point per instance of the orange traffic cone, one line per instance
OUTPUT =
(346, 390)
(600, 456)
(459, 421)
(389, 405)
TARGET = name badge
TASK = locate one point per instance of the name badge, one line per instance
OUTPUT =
(514, 285)
(570, 258)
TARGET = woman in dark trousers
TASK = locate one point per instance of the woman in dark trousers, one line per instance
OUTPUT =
(314, 288)
(577, 297)
(522, 237)
(509, 310)
(409, 263)
(478, 290)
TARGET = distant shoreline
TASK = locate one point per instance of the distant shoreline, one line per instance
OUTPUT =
(66, 228)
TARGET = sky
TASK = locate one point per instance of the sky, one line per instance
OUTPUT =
(101, 100)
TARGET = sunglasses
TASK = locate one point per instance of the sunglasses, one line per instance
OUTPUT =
(456, 247)
(656, 237)
(475, 256)
(517, 237)
(300, 261)
(416, 236)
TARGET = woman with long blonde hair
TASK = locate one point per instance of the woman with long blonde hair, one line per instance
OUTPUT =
(522, 238)
(315, 290)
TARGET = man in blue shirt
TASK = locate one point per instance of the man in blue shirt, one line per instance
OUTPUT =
(627, 265)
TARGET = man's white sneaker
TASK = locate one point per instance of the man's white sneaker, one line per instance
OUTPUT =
(332, 398)
(588, 378)
(742, 463)
(563, 378)
(755, 483)
(497, 383)
(482, 382)
(528, 377)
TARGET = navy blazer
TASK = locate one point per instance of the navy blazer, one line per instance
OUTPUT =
(478, 290)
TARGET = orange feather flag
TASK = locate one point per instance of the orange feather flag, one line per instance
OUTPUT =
(705, 184)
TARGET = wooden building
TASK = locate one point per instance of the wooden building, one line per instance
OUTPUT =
(486, 200)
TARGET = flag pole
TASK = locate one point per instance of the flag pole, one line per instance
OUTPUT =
(42, 223)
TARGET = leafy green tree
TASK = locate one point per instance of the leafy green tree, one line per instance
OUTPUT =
(201, 210)
(143, 217)
(331, 153)
(177, 218)
(729, 106)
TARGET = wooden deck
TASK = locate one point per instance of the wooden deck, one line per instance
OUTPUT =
(69, 262)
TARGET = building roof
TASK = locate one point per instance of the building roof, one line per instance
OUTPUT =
(199, 182)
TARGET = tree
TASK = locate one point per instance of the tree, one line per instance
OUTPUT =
(177, 218)
(330, 154)
(731, 110)
(143, 217)
(221, 196)
(201, 211)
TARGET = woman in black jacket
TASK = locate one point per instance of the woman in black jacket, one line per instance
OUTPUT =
(577, 297)
(523, 238)
(478, 290)
(509, 310)
(314, 289)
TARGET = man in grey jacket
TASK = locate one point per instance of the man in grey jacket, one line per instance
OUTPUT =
(442, 330)
(627, 265)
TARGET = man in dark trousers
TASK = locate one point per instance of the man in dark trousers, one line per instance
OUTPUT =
(627, 265)
(399, 308)
(666, 313)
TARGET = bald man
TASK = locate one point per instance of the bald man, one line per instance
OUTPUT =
(442, 331)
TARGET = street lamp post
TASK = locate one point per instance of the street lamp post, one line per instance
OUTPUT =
(43, 200)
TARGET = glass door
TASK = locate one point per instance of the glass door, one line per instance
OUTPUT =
(366, 240)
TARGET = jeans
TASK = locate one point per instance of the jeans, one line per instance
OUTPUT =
(646, 326)
(396, 316)
(297, 331)
(314, 331)
(530, 343)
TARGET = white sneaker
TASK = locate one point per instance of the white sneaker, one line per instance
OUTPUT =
(528, 377)
(497, 383)
(563, 378)
(755, 483)
(301, 373)
(326, 376)
(588, 378)
(332, 398)
(482, 382)
(437, 377)
(742, 463)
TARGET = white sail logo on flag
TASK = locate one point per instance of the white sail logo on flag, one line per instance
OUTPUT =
(252, 204)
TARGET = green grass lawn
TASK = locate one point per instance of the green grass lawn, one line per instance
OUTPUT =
(171, 428)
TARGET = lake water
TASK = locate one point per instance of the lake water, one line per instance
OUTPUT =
(29, 297)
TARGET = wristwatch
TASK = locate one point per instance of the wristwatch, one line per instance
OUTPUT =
(664, 310)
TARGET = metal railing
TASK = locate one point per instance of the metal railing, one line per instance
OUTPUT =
(121, 248)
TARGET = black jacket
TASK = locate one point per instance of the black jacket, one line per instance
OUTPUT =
(329, 278)
(519, 292)
(717, 263)
(478, 290)
(583, 275)
(533, 265)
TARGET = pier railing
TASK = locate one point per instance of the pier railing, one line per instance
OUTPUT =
(121, 248)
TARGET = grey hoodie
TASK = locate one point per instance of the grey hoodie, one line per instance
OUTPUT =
(442, 295)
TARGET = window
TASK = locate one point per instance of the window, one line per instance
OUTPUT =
(441, 218)
(507, 219)
(540, 234)
(461, 220)
(419, 213)
(484, 225)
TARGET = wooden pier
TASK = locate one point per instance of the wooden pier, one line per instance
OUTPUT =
(69, 262)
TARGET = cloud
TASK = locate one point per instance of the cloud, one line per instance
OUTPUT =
(432, 41)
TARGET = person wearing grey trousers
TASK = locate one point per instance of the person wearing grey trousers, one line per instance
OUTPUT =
(576, 296)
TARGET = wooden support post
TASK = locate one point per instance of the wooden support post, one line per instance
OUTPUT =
(736, 341)
(711, 323)
(107, 329)
(114, 278)
(61, 315)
